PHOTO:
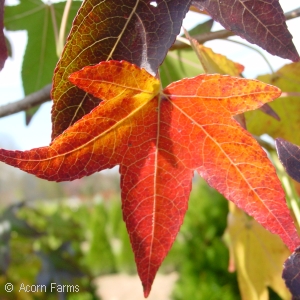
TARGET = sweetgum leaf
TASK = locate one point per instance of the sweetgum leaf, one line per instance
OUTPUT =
(40, 55)
(131, 30)
(159, 138)
(289, 155)
(291, 274)
(258, 21)
(3, 49)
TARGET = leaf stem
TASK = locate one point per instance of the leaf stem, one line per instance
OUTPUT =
(62, 30)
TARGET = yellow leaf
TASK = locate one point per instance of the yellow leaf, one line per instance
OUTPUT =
(258, 256)
(213, 62)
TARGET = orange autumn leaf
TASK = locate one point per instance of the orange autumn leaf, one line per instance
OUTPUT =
(158, 138)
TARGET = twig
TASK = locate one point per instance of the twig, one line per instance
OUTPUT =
(204, 37)
(39, 97)
(223, 34)
(292, 14)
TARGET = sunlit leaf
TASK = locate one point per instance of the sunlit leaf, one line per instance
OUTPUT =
(159, 138)
(213, 62)
(217, 63)
(288, 80)
(258, 257)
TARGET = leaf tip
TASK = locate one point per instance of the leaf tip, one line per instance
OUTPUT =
(147, 289)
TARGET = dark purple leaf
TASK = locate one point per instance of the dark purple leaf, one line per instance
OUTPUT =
(291, 274)
(289, 155)
(260, 22)
(267, 109)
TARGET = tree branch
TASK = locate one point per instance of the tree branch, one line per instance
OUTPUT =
(36, 98)
(223, 34)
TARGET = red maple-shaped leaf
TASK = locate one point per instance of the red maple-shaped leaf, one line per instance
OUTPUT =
(159, 138)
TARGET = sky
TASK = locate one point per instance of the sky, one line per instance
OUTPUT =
(15, 134)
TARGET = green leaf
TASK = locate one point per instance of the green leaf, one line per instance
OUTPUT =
(183, 62)
(40, 55)
(288, 80)
(201, 28)
(178, 64)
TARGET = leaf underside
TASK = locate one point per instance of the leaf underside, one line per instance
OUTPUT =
(158, 138)
(260, 22)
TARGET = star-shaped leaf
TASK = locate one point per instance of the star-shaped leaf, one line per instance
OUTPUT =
(159, 138)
